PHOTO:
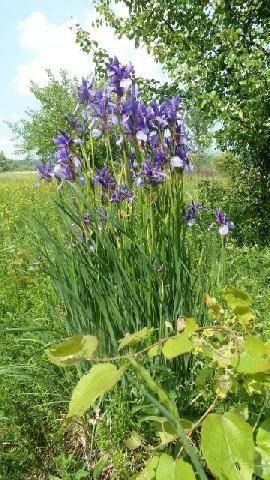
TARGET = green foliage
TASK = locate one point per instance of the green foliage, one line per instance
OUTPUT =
(99, 380)
(243, 194)
(183, 342)
(72, 350)
(220, 54)
(228, 447)
(5, 164)
(35, 132)
(235, 298)
(164, 466)
(263, 450)
(135, 338)
(226, 440)
(254, 358)
(121, 286)
(32, 395)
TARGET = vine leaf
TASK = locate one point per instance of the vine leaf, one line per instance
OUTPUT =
(244, 315)
(72, 350)
(235, 298)
(164, 466)
(263, 450)
(154, 351)
(182, 343)
(254, 358)
(130, 340)
(228, 447)
(99, 380)
(257, 383)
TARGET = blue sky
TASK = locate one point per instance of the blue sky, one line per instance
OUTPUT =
(35, 35)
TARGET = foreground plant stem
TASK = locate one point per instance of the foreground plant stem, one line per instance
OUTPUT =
(169, 410)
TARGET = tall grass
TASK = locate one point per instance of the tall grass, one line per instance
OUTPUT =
(144, 267)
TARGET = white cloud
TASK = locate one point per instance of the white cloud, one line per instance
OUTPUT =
(53, 46)
(7, 146)
(124, 49)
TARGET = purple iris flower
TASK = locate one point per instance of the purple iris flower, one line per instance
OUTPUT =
(160, 158)
(103, 112)
(149, 174)
(74, 123)
(190, 213)
(62, 155)
(84, 91)
(67, 172)
(181, 159)
(119, 76)
(154, 139)
(181, 151)
(172, 110)
(46, 171)
(223, 220)
(63, 140)
(87, 218)
(122, 193)
(104, 178)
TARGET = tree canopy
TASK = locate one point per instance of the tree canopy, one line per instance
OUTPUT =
(35, 132)
(219, 52)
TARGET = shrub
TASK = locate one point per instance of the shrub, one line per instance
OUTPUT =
(244, 195)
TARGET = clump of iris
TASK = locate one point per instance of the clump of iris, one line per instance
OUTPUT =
(153, 134)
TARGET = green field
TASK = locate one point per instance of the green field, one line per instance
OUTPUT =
(34, 395)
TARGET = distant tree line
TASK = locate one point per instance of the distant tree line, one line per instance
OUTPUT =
(9, 165)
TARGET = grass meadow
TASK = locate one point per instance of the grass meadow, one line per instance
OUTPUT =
(34, 394)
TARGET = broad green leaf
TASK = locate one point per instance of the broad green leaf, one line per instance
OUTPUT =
(204, 376)
(228, 447)
(242, 409)
(166, 438)
(236, 298)
(182, 343)
(163, 421)
(130, 340)
(164, 467)
(244, 315)
(257, 383)
(72, 350)
(100, 379)
(183, 471)
(254, 358)
(263, 450)
(154, 351)
(134, 441)
(262, 464)
(263, 435)
(149, 473)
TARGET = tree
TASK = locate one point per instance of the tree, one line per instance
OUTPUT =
(5, 163)
(219, 51)
(35, 132)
